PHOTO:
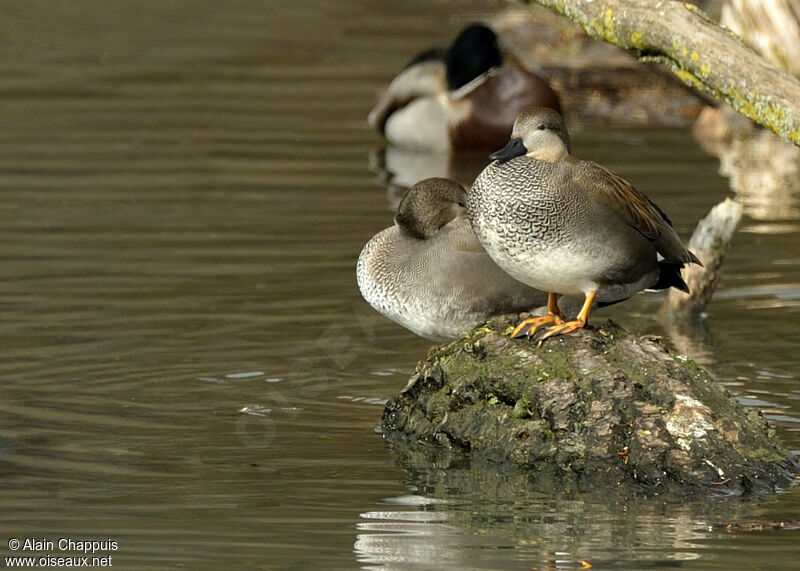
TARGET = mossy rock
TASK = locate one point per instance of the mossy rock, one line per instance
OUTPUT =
(597, 408)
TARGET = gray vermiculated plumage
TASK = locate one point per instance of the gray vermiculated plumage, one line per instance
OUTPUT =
(570, 226)
(537, 233)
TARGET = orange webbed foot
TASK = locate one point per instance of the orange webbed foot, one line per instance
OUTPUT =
(562, 329)
(527, 327)
(569, 326)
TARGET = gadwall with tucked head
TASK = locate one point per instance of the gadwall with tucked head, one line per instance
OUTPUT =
(430, 274)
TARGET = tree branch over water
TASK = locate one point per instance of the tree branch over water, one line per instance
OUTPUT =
(701, 53)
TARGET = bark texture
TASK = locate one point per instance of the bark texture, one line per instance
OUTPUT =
(596, 409)
(702, 54)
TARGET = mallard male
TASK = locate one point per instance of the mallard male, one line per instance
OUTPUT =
(430, 274)
(568, 226)
(460, 98)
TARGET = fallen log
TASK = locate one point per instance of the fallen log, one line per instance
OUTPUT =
(699, 52)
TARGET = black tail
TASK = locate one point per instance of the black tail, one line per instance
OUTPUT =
(670, 276)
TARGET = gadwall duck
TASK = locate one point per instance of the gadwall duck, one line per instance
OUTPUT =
(569, 226)
(430, 274)
(461, 98)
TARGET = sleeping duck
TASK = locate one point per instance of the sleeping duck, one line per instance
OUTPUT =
(460, 98)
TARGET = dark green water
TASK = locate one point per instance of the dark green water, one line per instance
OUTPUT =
(186, 366)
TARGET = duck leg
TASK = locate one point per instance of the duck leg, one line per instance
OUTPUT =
(569, 326)
(528, 327)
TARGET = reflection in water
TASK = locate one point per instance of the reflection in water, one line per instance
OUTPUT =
(390, 538)
(398, 169)
(583, 534)
(695, 339)
(763, 170)
(464, 513)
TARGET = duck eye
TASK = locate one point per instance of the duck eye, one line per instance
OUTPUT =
(541, 127)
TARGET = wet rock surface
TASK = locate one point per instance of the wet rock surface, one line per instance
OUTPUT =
(600, 408)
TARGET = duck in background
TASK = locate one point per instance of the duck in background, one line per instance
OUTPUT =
(569, 226)
(461, 98)
(430, 274)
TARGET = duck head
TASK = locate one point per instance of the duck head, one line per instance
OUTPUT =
(429, 205)
(538, 133)
(437, 70)
(473, 53)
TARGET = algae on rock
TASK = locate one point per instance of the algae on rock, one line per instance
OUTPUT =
(598, 408)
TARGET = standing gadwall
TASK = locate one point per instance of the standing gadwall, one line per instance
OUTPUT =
(458, 99)
(430, 274)
(569, 226)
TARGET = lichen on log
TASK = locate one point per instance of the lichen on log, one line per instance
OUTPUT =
(597, 409)
(699, 52)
